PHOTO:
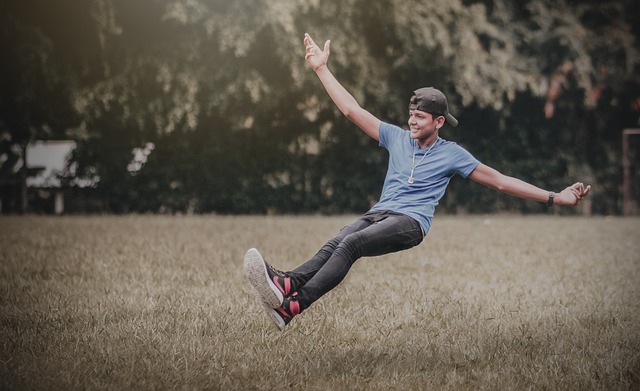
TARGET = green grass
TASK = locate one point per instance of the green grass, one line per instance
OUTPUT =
(152, 302)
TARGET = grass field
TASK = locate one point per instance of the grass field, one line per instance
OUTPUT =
(153, 302)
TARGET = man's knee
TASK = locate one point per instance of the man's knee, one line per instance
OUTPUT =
(351, 246)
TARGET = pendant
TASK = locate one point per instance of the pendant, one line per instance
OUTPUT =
(410, 180)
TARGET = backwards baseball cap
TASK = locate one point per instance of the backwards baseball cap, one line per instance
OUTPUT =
(432, 101)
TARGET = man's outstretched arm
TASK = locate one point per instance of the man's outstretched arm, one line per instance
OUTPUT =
(572, 195)
(317, 60)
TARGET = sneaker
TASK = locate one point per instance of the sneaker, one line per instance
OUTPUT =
(282, 315)
(270, 284)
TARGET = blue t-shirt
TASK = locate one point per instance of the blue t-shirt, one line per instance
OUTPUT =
(431, 176)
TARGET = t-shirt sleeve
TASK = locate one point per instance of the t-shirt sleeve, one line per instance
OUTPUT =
(466, 163)
(387, 133)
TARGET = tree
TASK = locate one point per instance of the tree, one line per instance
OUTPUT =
(217, 98)
(35, 80)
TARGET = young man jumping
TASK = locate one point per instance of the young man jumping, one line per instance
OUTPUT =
(421, 164)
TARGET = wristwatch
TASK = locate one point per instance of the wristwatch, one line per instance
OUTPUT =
(550, 200)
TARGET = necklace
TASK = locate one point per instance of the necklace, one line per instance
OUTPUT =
(413, 159)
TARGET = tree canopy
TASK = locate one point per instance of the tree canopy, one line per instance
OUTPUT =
(208, 106)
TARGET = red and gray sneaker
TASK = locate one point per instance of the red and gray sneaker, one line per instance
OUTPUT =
(270, 284)
(282, 315)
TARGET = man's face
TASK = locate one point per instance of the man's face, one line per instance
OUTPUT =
(423, 125)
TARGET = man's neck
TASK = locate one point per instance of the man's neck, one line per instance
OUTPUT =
(428, 141)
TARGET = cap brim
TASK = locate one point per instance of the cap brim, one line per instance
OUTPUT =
(451, 120)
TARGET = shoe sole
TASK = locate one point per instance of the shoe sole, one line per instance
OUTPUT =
(275, 318)
(256, 271)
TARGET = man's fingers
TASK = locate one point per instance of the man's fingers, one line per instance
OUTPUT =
(308, 40)
(576, 192)
(581, 190)
(310, 44)
(327, 46)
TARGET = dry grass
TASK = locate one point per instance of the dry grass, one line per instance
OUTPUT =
(150, 302)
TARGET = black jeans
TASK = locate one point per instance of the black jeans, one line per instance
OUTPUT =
(375, 233)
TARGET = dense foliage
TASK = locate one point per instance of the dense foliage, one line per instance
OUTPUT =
(208, 106)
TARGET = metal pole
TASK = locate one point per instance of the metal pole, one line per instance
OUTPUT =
(24, 172)
(626, 171)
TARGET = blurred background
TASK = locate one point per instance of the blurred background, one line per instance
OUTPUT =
(207, 106)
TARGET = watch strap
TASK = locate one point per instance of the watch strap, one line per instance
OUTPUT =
(550, 200)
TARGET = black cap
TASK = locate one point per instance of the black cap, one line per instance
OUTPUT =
(432, 101)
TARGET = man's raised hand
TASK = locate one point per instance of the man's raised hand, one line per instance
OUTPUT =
(315, 57)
